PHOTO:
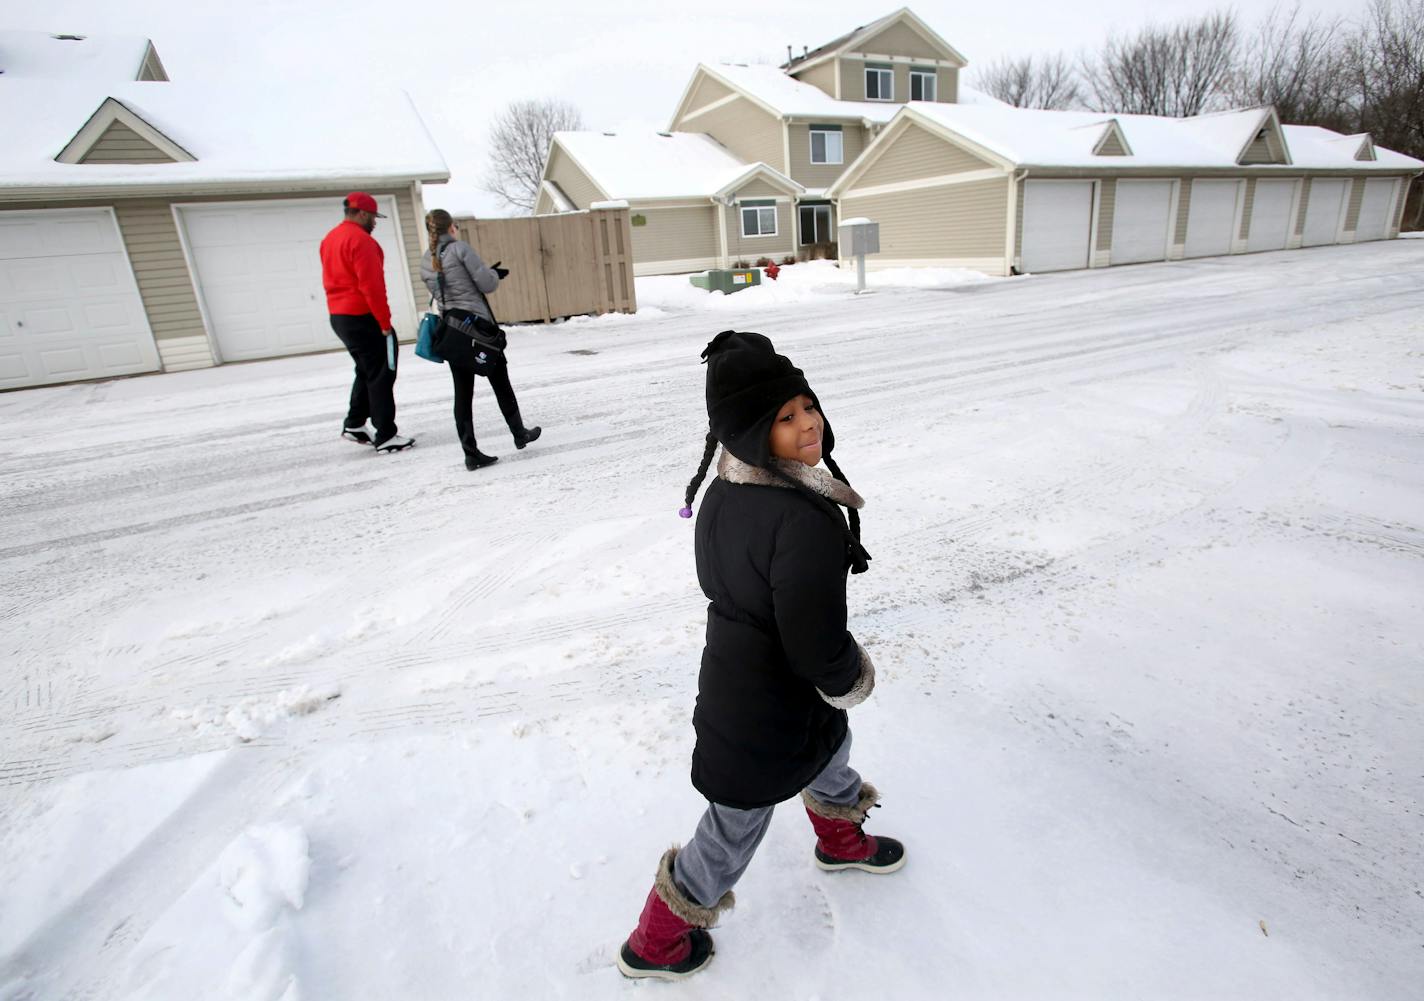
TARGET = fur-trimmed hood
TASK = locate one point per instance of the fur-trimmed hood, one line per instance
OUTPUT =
(815, 478)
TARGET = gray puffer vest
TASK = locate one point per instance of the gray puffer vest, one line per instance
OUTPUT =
(467, 278)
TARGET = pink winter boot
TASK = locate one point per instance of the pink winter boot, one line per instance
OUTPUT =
(841, 843)
(671, 941)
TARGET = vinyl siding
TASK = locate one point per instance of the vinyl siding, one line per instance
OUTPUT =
(152, 68)
(121, 144)
(704, 92)
(964, 220)
(1246, 208)
(1266, 149)
(1352, 213)
(760, 189)
(745, 129)
(822, 76)
(414, 239)
(823, 175)
(751, 247)
(1018, 218)
(571, 180)
(1107, 203)
(1184, 208)
(900, 40)
(1299, 228)
(1112, 145)
(675, 234)
(916, 153)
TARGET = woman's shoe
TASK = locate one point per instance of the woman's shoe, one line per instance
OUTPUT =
(479, 460)
(524, 436)
(841, 841)
(671, 940)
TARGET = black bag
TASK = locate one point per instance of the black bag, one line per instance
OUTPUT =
(468, 339)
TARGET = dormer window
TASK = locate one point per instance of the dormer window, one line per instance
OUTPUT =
(879, 83)
(922, 84)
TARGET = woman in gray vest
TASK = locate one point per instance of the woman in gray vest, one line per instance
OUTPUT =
(468, 280)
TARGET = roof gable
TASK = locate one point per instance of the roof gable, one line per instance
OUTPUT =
(855, 40)
(1367, 148)
(1267, 144)
(87, 144)
(46, 55)
(1112, 142)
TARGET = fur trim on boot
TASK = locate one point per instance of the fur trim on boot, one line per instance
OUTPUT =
(682, 905)
(860, 691)
(855, 812)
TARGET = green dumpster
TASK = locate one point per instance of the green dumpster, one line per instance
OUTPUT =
(727, 281)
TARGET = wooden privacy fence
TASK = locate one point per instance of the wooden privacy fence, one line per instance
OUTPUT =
(559, 265)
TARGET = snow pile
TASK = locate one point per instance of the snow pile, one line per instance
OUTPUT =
(250, 718)
(257, 886)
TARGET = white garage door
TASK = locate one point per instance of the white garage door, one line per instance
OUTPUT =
(1057, 225)
(259, 274)
(1271, 215)
(1376, 209)
(1141, 221)
(1211, 218)
(69, 308)
(1324, 211)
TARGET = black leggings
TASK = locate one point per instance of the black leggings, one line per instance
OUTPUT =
(464, 378)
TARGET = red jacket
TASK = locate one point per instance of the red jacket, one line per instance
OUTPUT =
(353, 271)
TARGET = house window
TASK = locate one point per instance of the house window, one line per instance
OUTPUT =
(879, 83)
(827, 145)
(922, 84)
(815, 224)
(759, 218)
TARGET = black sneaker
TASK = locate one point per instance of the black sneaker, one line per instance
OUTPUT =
(889, 856)
(479, 460)
(361, 435)
(524, 437)
(630, 964)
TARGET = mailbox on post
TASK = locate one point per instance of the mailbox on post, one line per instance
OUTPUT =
(859, 237)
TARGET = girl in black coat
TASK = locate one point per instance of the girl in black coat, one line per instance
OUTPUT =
(779, 668)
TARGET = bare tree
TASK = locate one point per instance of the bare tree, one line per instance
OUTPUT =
(519, 143)
(1388, 58)
(1178, 70)
(1300, 65)
(1046, 82)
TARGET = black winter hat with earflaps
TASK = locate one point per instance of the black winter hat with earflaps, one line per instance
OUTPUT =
(747, 385)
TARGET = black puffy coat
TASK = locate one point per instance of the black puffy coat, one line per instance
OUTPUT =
(779, 667)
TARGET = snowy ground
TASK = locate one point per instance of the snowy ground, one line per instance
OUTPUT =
(284, 719)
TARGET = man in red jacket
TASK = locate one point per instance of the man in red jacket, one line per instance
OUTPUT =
(353, 272)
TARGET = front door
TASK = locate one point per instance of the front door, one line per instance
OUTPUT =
(815, 224)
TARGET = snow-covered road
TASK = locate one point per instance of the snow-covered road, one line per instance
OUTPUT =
(285, 718)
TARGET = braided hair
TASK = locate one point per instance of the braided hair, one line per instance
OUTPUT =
(708, 451)
(437, 224)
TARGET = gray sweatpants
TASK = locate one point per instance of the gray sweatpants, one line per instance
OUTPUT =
(711, 863)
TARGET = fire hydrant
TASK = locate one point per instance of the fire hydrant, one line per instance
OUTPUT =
(772, 270)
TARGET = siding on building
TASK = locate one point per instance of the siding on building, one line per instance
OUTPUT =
(955, 222)
(1021, 187)
(899, 40)
(121, 144)
(751, 247)
(823, 175)
(822, 76)
(917, 153)
(1249, 204)
(1357, 198)
(1184, 209)
(760, 189)
(1107, 204)
(705, 92)
(1299, 227)
(675, 234)
(1112, 145)
(571, 180)
(745, 129)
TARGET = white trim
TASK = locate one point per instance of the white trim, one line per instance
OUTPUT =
(839, 70)
(875, 27)
(933, 77)
(811, 145)
(393, 217)
(721, 102)
(786, 147)
(109, 112)
(1174, 205)
(582, 169)
(742, 211)
(865, 81)
(939, 181)
(730, 85)
(1013, 222)
(875, 57)
(756, 170)
(778, 199)
(721, 232)
(557, 198)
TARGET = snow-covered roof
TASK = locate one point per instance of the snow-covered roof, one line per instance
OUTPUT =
(1032, 137)
(787, 96)
(40, 54)
(639, 166)
(253, 135)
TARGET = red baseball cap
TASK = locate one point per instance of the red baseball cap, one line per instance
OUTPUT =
(362, 201)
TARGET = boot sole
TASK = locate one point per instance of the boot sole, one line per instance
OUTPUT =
(864, 866)
(662, 973)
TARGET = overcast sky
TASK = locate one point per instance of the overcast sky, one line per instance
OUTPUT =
(623, 65)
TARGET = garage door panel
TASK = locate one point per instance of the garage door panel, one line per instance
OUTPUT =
(1057, 225)
(1271, 216)
(1324, 210)
(1375, 209)
(81, 236)
(1140, 221)
(60, 364)
(259, 271)
(1211, 218)
(13, 370)
(118, 354)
